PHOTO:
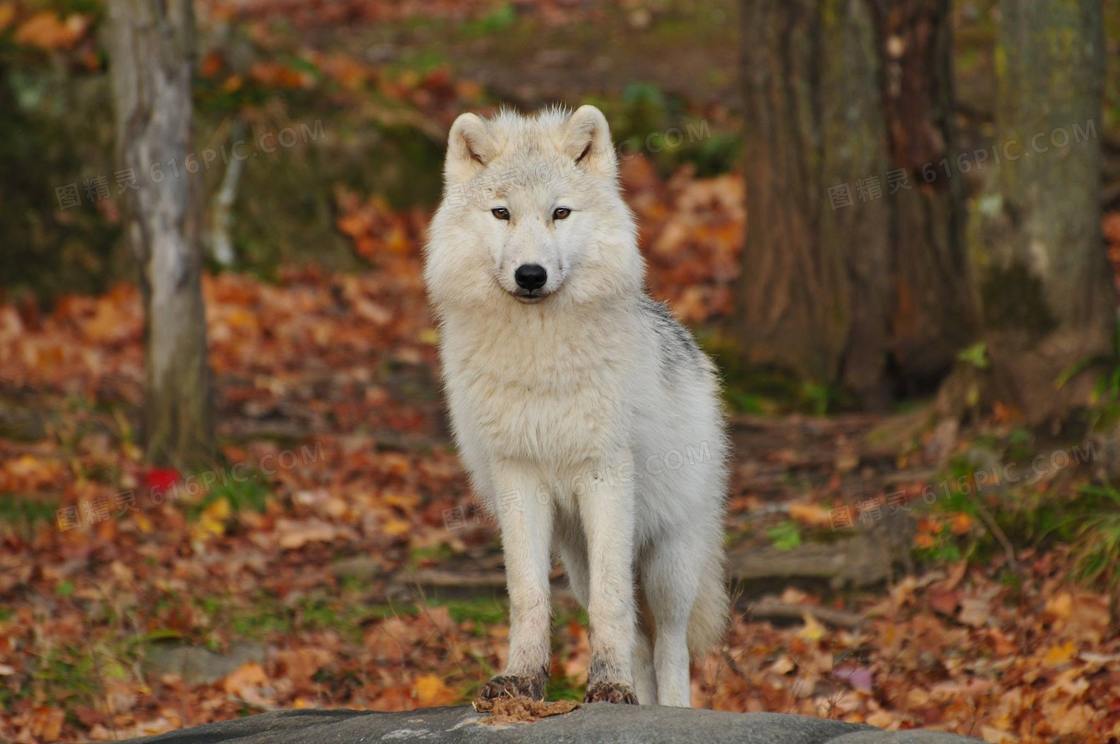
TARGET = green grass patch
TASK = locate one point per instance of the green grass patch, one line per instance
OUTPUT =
(1095, 533)
(647, 120)
(66, 671)
(499, 20)
(25, 512)
(564, 688)
(347, 613)
(481, 611)
(430, 554)
(1085, 517)
(242, 493)
(785, 535)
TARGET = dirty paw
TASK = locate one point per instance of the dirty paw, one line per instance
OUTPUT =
(611, 692)
(509, 686)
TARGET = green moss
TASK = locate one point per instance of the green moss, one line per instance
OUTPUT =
(766, 390)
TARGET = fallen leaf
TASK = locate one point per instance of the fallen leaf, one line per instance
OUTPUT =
(430, 690)
(1058, 655)
(46, 30)
(975, 611)
(813, 515)
(813, 630)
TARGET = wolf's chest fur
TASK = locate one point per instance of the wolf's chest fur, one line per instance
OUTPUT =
(539, 387)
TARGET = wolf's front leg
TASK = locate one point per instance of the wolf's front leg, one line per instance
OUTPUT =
(524, 511)
(606, 504)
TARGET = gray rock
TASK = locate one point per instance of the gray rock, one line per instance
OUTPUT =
(360, 567)
(601, 723)
(199, 666)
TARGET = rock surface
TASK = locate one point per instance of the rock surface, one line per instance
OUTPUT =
(200, 666)
(602, 722)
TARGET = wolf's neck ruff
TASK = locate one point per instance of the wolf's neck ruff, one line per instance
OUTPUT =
(559, 375)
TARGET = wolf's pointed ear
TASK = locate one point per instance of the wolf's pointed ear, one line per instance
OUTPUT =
(469, 148)
(587, 141)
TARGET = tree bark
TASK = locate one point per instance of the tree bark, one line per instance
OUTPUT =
(151, 47)
(853, 262)
(933, 312)
(1043, 278)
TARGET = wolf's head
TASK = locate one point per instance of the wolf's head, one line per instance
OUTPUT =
(532, 213)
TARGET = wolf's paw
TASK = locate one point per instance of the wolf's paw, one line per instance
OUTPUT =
(510, 686)
(611, 692)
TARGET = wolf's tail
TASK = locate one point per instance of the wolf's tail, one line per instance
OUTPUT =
(708, 621)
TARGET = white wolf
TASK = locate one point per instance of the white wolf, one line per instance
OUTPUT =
(588, 418)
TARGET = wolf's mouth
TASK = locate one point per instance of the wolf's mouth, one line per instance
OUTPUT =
(529, 297)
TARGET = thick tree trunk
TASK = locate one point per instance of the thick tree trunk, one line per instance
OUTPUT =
(1043, 278)
(151, 63)
(853, 263)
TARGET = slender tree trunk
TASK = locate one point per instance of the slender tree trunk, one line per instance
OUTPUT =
(853, 263)
(1043, 277)
(151, 46)
(933, 312)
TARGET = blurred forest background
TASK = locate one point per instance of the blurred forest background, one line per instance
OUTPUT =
(895, 225)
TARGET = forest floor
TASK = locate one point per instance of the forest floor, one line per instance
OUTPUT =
(338, 558)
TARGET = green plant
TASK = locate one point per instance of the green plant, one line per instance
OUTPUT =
(1096, 535)
(240, 493)
(499, 19)
(976, 355)
(785, 535)
(1106, 389)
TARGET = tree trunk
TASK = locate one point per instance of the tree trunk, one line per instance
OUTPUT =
(1043, 278)
(933, 312)
(853, 263)
(151, 64)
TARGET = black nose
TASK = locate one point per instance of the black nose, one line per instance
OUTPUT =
(530, 276)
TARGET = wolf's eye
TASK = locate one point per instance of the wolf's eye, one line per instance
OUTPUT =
(500, 212)
(561, 213)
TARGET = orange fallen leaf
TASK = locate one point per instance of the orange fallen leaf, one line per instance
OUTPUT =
(211, 64)
(246, 675)
(813, 515)
(1060, 654)
(395, 527)
(7, 14)
(46, 30)
(431, 690)
(46, 723)
(960, 524)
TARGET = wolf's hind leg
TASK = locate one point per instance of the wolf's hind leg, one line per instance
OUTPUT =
(668, 576)
(645, 679)
(572, 548)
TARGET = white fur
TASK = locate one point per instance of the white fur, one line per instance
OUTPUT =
(588, 422)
